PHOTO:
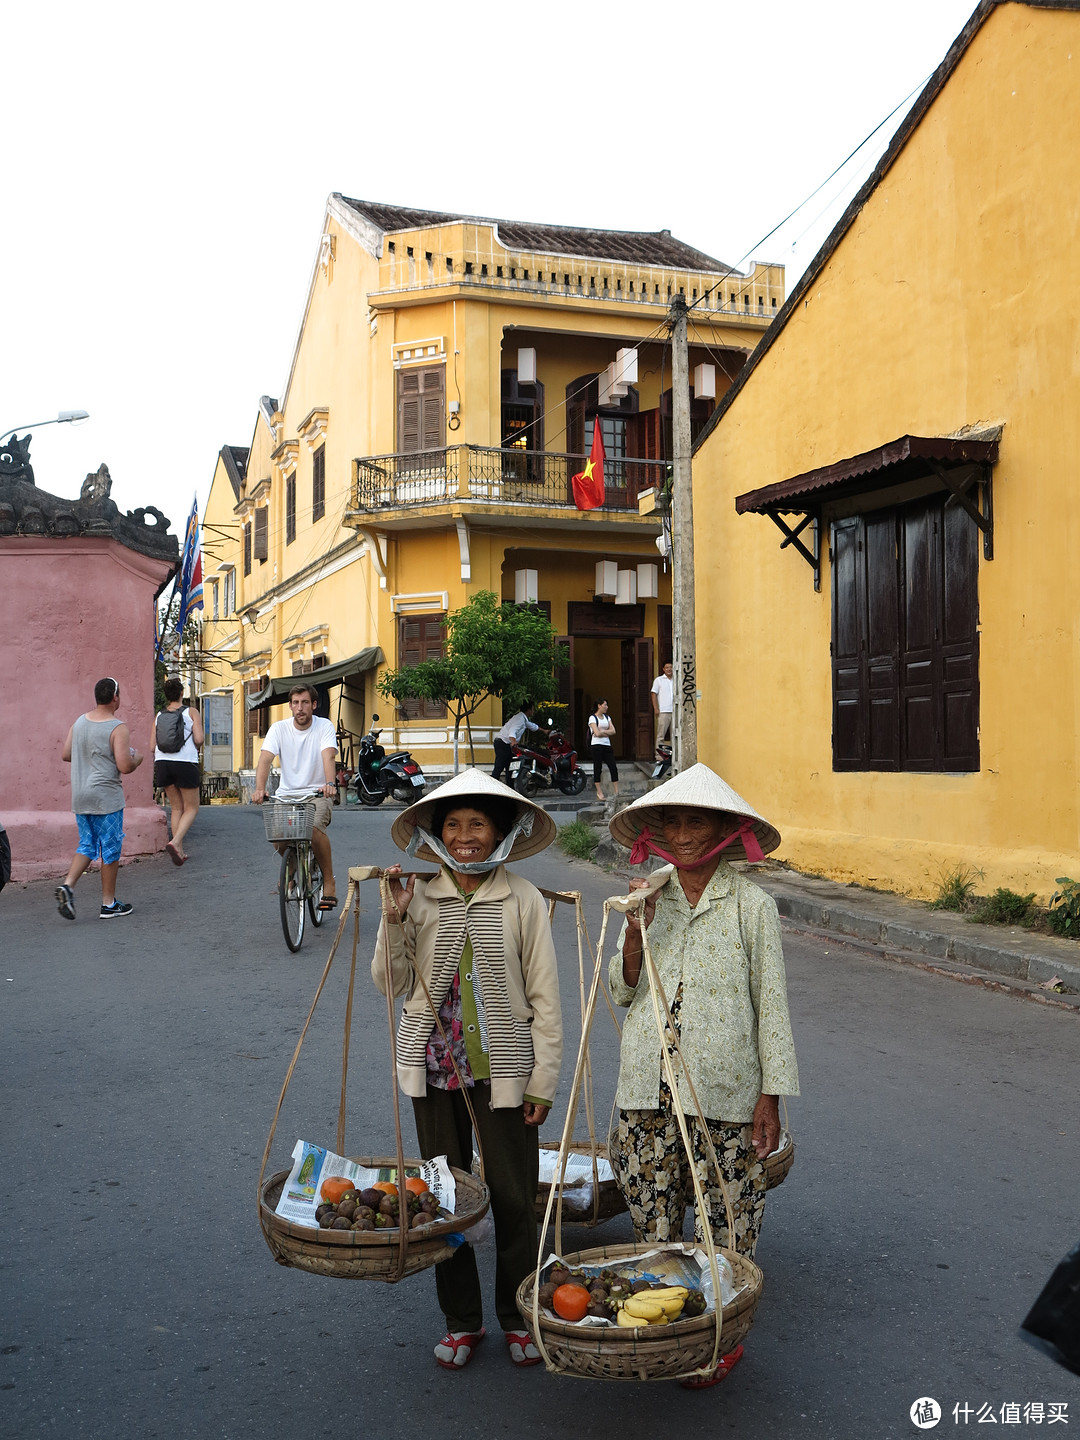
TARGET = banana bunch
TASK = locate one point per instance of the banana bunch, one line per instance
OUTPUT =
(652, 1307)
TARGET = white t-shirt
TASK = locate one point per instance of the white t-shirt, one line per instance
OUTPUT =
(662, 689)
(603, 725)
(299, 755)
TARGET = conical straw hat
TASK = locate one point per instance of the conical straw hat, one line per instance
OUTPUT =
(703, 788)
(473, 784)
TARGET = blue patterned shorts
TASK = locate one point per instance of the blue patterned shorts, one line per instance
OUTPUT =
(104, 833)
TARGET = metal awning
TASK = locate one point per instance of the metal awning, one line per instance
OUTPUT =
(955, 462)
(276, 692)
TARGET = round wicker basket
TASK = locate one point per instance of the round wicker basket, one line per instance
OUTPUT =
(779, 1162)
(610, 1202)
(367, 1254)
(647, 1352)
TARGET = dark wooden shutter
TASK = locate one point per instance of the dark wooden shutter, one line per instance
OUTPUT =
(247, 549)
(881, 642)
(260, 548)
(290, 508)
(960, 643)
(664, 636)
(920, 694)
(421, 410)
(564, 679)
(318, 484)
(848, 728)
(643, 715)
(421, 637)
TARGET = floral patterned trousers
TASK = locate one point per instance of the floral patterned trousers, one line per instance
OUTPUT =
(652, 1171)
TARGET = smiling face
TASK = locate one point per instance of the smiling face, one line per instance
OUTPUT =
(689, 833)
(469, 835)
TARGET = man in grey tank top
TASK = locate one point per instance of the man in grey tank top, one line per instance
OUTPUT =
(99, 750)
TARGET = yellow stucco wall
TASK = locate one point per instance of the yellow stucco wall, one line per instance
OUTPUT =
(952, 300)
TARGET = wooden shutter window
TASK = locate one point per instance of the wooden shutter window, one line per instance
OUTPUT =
(420, 638)
(247, 549)
(318, 484)
(421, 410)
(260, 548)
(290, 509)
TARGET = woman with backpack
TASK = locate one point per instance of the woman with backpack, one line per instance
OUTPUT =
(178, 734)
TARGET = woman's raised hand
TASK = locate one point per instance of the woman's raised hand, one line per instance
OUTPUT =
(401, 894)
(633, 916)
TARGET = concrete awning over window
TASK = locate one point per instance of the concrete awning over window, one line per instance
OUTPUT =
(276, 692)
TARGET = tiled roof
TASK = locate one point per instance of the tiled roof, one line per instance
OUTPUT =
(235, 458)
(635, 247)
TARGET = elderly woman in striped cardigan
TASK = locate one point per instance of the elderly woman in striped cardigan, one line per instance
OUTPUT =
(477, 940)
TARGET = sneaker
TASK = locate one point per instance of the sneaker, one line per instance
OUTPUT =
(65, 899)
(110, 912)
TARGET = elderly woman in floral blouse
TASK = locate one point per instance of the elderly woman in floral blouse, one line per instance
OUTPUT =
(715, 940)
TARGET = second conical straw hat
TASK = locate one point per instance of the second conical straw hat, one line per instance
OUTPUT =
(705, 790)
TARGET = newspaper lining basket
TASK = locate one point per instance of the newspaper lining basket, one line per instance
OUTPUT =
(288, 819)
(777, 1165)
(611, 1201)
(646, 1352)
(368, 1254)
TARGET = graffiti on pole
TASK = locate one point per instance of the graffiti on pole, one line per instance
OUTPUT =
(688, 682)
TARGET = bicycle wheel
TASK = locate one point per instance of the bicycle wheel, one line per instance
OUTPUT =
(314, 891)
(291, 900)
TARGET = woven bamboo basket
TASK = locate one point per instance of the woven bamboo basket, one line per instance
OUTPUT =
(368, 1254)
(647, 1352)
(610, 1202)
(778, 1164)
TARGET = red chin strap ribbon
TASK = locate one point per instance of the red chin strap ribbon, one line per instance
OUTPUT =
(643, 847)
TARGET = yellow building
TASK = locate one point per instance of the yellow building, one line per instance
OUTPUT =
(444, 388)
(896, 688)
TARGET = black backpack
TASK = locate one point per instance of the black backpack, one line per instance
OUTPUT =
(169, 731)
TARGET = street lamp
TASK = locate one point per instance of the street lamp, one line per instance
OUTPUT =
(66, 417)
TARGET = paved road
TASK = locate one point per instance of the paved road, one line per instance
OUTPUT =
(934, 1186)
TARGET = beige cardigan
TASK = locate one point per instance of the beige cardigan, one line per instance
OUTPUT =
(514, 965)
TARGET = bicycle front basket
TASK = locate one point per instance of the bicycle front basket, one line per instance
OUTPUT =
(289, 819)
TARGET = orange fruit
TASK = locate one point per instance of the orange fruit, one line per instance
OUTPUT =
(334, 1188)
(386, 1186)
(415, 1186)
(570, 1301)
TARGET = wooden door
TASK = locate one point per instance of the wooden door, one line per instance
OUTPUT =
(564, 677)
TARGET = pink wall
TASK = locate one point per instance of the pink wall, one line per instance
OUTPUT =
(74, 611)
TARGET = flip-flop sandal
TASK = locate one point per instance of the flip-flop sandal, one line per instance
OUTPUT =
(328, 902)
(522, 1350)
(174, 854)
(724, 1367)
(455, 1349)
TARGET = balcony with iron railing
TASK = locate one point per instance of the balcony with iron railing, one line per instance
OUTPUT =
(506, 478)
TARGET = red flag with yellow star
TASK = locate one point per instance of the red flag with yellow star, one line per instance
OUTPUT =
(588, 484)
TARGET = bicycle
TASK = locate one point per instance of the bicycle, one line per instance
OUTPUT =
(300, 883)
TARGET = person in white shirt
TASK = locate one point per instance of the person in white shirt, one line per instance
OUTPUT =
(663, 703)
(306, 752)
(601, 729)
(510, 734)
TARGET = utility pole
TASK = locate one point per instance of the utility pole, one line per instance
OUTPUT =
(682, 547)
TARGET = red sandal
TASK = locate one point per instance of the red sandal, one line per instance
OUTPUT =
(724, 1367)
(455, 1349)
(522, 1350)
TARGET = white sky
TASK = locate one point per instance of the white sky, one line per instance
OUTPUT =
(168, 166)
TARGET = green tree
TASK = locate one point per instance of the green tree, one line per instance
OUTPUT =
(493, 648)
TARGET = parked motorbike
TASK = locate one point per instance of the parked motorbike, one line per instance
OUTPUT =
(663, 759)
(548, 762)
(378, 774)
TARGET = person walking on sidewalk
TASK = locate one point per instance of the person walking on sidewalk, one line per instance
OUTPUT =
(306, 749)
(601, 729)
(509, 736)
(176, 768)
(98, 748)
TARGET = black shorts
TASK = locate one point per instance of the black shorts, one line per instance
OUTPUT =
(184, 774)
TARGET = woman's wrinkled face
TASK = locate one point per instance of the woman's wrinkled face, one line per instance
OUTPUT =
(469, 835)
(689, 833)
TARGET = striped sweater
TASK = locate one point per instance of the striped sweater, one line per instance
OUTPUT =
(515, 970)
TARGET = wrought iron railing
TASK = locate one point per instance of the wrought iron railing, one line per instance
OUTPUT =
(501, 476)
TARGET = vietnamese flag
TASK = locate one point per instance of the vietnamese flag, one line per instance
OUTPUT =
(588, 484)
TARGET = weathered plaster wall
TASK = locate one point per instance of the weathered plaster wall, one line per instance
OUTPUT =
(76, 610)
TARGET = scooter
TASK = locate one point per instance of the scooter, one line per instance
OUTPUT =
(663, 759)
(378, 774)
(551, 763)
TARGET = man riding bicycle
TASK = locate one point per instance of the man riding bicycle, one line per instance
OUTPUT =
(306, 751)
